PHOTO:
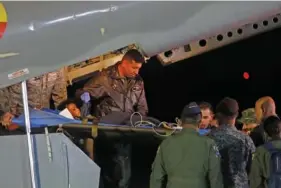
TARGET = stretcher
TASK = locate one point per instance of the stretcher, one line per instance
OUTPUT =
(118, 131)
(46, 118)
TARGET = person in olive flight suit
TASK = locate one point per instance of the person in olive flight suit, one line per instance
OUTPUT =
(261, 163)
(187, 159)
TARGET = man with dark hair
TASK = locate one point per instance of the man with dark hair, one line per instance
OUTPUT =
(6, 125)
(265, 107)
(207, 115)
(118, 88)
(187, 159)
(236, 148)
(72, 107)
(264, 168)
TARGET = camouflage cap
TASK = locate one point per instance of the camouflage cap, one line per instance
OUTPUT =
(248, 116)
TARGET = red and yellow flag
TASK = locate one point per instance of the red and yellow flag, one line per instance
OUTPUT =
(3, 20)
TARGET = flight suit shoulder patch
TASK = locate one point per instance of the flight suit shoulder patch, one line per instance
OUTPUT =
(137, 88)
(216, 151)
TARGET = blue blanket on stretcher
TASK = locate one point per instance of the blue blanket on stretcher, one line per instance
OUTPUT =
(43, 118)
(48, 118)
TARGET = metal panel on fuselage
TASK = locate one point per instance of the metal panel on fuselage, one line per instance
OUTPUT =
(69, 166)
(44, 36)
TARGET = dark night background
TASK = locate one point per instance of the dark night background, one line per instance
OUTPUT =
(216, 74)
(209, 77)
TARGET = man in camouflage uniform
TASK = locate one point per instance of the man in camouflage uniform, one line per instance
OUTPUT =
(187, 159)
(40, 90)
(249, 120)
(118, 88)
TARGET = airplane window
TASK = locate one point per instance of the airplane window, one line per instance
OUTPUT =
(202, 42)
(265, 23)
(255, 26)
(168, 53)
(229, 34)
(219, 37)
(240, 31)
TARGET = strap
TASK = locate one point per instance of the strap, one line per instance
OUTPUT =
(269, 146)
(274, 178)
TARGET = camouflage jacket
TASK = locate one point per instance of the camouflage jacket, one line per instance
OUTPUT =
(115, 93)
(40, 91)
(236, 149)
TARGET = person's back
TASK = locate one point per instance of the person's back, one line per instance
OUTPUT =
(187, 160)
(188, 163)
(260, 170)
(266, 165)
(236, 148)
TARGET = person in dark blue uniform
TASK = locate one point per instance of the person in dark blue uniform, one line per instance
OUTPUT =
(236, 148)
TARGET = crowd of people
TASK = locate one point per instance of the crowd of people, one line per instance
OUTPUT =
(225, 155)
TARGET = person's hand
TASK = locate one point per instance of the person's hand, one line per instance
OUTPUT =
(7, 119)
(85, 97)
(214, 123)
(247, 128)
(39, 107)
